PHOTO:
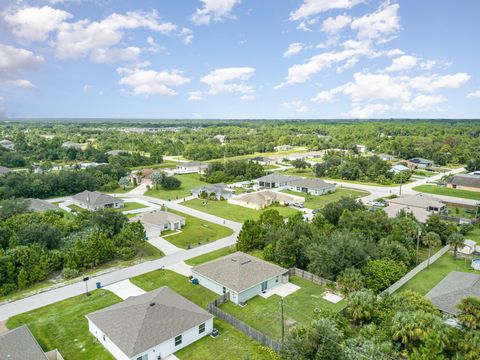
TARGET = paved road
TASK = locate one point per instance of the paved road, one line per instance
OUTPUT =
(65, 292)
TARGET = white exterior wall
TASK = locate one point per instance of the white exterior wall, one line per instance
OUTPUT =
(209, 284)
(164, 349)
(312, 191)
(257, 289)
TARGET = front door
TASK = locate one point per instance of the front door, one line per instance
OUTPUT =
(264, 286)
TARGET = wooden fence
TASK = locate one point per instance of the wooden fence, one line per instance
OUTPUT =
(308, 276)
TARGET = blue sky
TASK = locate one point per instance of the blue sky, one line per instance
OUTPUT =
(240, 59)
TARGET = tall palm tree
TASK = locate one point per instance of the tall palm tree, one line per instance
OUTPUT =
(431, 240)
(456, 240)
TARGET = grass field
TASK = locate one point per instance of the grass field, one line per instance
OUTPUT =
(299, 307)
(234, 212)
(63, 325)
(197, 232)
(230, 344)
(210, 256)
(189, 181)
(426, 280)
(314, 202)
(120, 190)
(474, 234)
(76, 208)
(131, 205)
(440, 190)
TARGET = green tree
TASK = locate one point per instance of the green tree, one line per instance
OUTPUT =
(299, 164)
(361, 306)
(470, 312)
(156, 178)
(250, 237)
(350, 280)
(123, 182)
(381, 273)
(170, 182)
(455, 240)
(431, 240)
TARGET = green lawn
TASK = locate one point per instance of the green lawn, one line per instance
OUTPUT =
(131, 205)
(426, 280)
(63, 325)
(474, 234)
(189, 181)
(264, 314)
(314, 201)
(76, 208)
(298, 172)
(211, 256)
(120, 189)
(461, 212)
(197, 232)
(441, 190)
(230, 344)
(234, 212)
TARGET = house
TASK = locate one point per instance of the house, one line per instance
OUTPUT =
(262, 199)
(417, 162)
(116, 152)
(71, 145)
(263, 160)
(421, 206)
(275, 180)
(465, 182)
(283, 148)
(312, 186)
(156, 222)
(220, 191)
(192, 167)
(94, 200)
(20, 344)
(469, 247)
(240, 275)
(150, 326)
(138, 176)
(385, 157)
(220, 138)
(452, 289)
(398, 168)
(38, 205)
(4, 170)
(7, 144)
(361, 148)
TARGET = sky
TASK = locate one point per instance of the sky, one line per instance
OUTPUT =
(229, 59)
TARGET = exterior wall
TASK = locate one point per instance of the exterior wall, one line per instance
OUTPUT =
(461, 187)
(249, 205)
(257, 289)
(209, 284)
(312, 191)
(164, 349)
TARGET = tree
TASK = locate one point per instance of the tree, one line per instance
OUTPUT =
(170, 182)
(124, 181)
(9, 208)
(156, 178)
(361, 306)
(431, 240)
(381, 273)
(470, 312)
(299, 164)
(334, 210)
(437, 225)
(455, 240)
(350, 280)
(250, 237)
(271, 218)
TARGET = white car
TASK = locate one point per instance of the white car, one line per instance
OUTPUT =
(376, 203)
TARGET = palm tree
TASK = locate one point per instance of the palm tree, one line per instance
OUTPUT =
(431, 240)
(456, 240)
(156, 179)
(470, 316)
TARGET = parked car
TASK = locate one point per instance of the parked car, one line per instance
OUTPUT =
(376, 203)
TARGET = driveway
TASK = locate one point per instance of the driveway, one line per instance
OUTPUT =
(124, 289)
(164, 246)
(181, 268)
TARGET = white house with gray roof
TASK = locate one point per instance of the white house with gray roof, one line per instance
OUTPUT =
(275, 180)
(240, 275)
(150, 326)
(156, 222)
(220, 191)
(312, 186)
(94, 200)
(192, 167)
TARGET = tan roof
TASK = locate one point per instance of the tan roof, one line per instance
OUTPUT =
(418, 200)
(157, 218)
(264, 196)
(142, 322)
(19, 344)
(469, 180)
(239, 271)
(419, 213)
(312, 184)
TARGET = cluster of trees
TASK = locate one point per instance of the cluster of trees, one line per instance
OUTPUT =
(346, 242)
(35, 245)
(359, 168)
(401, 326)
(233, 171)
(24, 184)
(166, 182)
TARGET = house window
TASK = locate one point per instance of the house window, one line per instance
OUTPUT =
(201, 328)
(103, 337)
(178, 340)
(276, 280)
(143, 357)
(224, 289)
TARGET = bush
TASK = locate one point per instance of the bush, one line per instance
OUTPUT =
(70, 273)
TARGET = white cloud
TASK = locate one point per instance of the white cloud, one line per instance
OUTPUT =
(379, 25)
(154, 47)
(247, 97)
(186, 35)
(150, 82)
(293, 49)
(423, 102)
(314, 7)
(35, 23)
(474, 95)
(368, 111)
(334, 25)
(213, 10)
(195, 96)
(404, 62)
(229, 80)
(376, 87)
(305, 25)
(297, 106)
(13, 62)
(394, 52)
(324, 96)
(435, 82)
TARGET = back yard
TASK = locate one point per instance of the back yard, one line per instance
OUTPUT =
(189, 181)
(441, 190)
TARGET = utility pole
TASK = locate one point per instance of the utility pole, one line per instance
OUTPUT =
(418, 242)
(283, 321)
(401, 180)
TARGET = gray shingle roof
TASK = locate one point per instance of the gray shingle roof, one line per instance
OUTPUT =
(239, 271)
(419, 160)
(418, 200)
(191, 164)
(219, 189)
(312, 184)
(453, 288)
(95, 198)
(157, 218)
(466, 180)
(278, 178)
(135, 325)
(19, 344)
(40, 205)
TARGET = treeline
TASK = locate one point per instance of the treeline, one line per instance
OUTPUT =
(347, 243)
(35, 245)
(233, 171)
(350, 167)
(24, 184)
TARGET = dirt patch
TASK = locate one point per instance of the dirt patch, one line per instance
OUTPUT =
(3, 327)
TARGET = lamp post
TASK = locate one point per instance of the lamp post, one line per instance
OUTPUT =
(419, 234)
(85, 279)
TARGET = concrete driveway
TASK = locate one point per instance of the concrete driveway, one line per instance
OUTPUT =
(181, 268)
(124, 289)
